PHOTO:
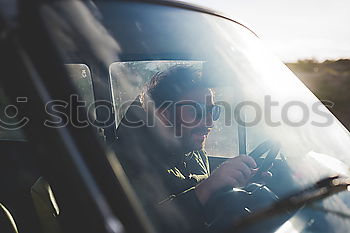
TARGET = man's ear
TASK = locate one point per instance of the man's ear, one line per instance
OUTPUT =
(165, 116)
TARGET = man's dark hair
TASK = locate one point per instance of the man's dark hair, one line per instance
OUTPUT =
(172, 84)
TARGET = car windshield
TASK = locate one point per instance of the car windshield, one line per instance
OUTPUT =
(125, 45)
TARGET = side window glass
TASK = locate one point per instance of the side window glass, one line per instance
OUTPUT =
(128, 78)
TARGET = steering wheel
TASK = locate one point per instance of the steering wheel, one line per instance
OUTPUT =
(229, 204)
(272, 148)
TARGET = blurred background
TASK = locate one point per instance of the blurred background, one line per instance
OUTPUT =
(312, 37)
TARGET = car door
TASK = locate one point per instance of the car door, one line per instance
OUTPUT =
(71, 159)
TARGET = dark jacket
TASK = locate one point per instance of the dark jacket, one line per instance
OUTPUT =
(163, 180)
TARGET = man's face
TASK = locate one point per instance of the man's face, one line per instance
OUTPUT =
(193, 124)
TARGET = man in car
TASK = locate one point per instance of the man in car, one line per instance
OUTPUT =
(166, 161)
(191, 115)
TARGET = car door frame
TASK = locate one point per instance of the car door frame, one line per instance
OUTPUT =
(88, 181)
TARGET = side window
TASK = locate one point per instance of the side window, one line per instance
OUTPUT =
(129, 78)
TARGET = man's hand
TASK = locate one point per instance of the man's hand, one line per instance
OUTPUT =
(235, 172)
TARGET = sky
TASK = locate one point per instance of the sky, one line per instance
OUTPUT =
(294, 29)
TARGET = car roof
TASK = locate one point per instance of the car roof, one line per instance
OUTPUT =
(172, 3)
(191, 6)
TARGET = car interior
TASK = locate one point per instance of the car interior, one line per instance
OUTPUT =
(33, 195)
(26, 195)
(109, 87)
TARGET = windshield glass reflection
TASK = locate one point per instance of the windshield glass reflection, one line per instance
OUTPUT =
(252, 88)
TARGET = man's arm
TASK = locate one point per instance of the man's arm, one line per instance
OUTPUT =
(235, 172)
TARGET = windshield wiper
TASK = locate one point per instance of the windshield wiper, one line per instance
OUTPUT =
(320, 190)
